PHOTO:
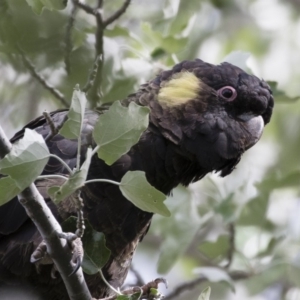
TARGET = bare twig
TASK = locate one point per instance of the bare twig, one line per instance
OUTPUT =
(68, 38)
(235, 275)
(185, 286)
(93, 74)
(117, 14)
(239, 275)
(88, 9)
(231, 249)
(139, 279)
(145, 289)
(100, 3)
(95, 91)
(38, 211)
(54, 128)
(56, 93)
(95, 78)
(117, 292)
(207, 261)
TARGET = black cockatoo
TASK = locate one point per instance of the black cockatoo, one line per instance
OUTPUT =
(203, 117)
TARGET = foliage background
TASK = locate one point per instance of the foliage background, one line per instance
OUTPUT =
(260, 200)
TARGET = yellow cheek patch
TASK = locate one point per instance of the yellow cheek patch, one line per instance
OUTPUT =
(182, 88)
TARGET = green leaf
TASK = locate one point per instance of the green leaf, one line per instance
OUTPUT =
(294, 273)
(205, 295)
(273, 273)
(227, 208)
(268, 276)
(135, 187)
(135, 296)
(173, 45)
(154, 291)
(8, 189)
(117, 31)
(279, 95)
(23, 164)
(239, 59)
(121, 86)
(59, 193)
(119, 129)
(75, 181)
(214, 274)
(157, 53)
(254, 211)
(38, 5)
(273, 243)
(216, 249)
(96, 254)
(177, 235)
(72, 127)
(155, 39)
(123, 297)
(86, 164)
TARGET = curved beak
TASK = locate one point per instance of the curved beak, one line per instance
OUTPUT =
(255, 126)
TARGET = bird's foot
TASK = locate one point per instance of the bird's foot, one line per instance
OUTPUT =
(75, 244)
(40, 257)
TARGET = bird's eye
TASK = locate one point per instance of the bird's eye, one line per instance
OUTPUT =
(227, 92)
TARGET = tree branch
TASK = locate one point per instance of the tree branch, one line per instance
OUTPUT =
(100, 3)
(56, 93)
(68, 39)
(49, 228)
(88, 9)
(95, 79)
(235, 275)
(96, 92)
(139, 279)
(117, 14)
(54, 128)
(92, 77)
(231, 249)
(184, 287)
(144, 289)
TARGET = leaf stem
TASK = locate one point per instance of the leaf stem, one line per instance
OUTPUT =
(95, 150)
(103, 180)
(52, 176)
(91, 79)
(62, 162)
(78, 151)
(68, 39)
(117, 14)
(31, 68)
(108, 284)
